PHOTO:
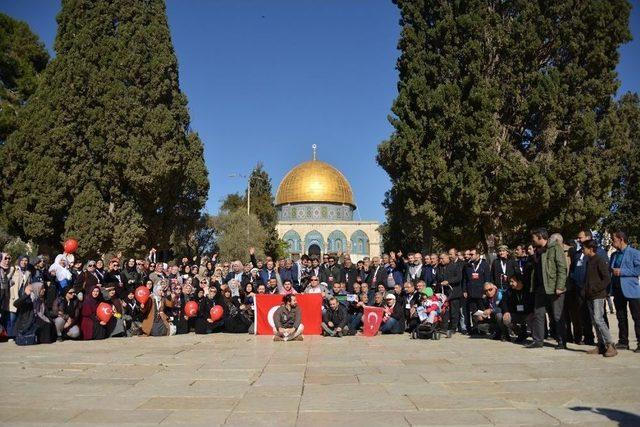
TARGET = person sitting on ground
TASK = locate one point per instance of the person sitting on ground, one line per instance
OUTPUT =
(334, 319)
(393, 321)
(91, 327)
(204, 323)
(67, 311)
(287, 320)
(156, 322)
(597, 281)
(517, 309)
(488, 317)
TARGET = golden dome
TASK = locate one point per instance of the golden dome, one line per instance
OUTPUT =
(312, 182)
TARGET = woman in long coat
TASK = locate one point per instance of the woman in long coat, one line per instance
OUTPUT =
(156, 322)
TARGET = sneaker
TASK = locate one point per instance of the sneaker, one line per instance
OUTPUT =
(622, 346)
(561, 346)
(535, 344)
(611, 351)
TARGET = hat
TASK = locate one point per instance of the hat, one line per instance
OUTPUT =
(427, 291)
(91, 263)
(503, 248)
(390, 296)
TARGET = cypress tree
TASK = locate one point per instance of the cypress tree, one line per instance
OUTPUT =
(262, 205)
(499, 114)
(22, 59)
(625, 208)
(110, 116)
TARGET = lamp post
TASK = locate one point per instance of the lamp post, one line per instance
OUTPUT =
(248, 178)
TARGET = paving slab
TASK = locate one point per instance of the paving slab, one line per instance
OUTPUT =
(245, 380)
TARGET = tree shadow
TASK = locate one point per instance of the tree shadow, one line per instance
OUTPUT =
(623, 418)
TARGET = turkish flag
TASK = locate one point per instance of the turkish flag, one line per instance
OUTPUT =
(371, 320)
(310, 308)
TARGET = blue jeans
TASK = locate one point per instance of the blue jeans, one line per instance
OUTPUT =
(355, 322)
(391, 326)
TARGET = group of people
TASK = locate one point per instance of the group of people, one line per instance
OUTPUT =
(507, 296)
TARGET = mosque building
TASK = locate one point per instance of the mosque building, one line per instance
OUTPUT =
(315, 206)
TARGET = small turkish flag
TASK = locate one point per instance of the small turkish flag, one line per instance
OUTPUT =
(371, 320)
(310, 308)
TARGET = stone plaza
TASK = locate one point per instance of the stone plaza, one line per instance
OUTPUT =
(245, 380)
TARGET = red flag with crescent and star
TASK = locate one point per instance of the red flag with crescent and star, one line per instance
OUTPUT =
(310, 309)
(371, 320)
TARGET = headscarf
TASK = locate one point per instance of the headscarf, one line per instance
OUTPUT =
(4, 263)
(234, 287)
(157, 295)
(89, 303)
(38, 304)
(20, 258)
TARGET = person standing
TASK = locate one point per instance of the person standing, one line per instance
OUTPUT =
(625, 269)
(449, 282)
(576, 304)
(596, 282)
(503, 268)
(475, 274)
(548, 283)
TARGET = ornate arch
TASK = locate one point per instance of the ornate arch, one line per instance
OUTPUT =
(360, 243)
(293, 240)
(314, 238)
(337, 241)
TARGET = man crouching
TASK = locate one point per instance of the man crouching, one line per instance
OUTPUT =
(287, 320)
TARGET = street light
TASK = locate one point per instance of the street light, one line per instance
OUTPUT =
(248, 177)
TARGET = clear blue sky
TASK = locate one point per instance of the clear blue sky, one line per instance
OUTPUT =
(265, 80)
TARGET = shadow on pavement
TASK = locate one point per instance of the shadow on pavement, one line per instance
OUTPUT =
(623, 418)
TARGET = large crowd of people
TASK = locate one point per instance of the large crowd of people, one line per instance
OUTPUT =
(548, 288)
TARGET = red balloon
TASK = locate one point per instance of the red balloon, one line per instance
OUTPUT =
(104, 312)
(191, 309)
(216, 313)
(70, 246)
(142, 294)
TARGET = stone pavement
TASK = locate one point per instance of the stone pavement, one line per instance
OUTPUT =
(245, 380)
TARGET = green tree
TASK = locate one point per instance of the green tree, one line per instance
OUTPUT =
(499, 116)
(108, 113)
(22, 58)
(262, 205)
(625, 209)
(236, 232)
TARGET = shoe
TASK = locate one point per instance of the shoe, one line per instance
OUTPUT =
(561, 346)
(622, 346)
(520, 340)
(637, 350)
(298, 338)
(589, 342)
(338, 334)
(535, 344)
(610, 351)
(277, 338)
(449, 334)
(596, 350)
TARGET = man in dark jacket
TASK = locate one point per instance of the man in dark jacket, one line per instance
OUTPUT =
(449, 281)
(475, 274)
(334, 319)
(331, 273)
(503, 268)
(597, 280)
(348, 273)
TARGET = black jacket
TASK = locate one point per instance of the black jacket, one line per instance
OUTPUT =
(349, 275)
(451, 273)
(338, 317)
(597, 278)
(511, 270)
(474, 277)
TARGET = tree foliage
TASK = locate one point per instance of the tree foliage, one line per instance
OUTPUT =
(500, 115)
(625, 210)
(22, 58)
(236, 231)
(109, 115)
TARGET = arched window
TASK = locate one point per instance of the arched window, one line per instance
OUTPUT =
(293, 241)
(313, 238)
(337, 241)
(360, 242)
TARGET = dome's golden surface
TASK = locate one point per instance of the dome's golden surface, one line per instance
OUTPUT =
(314, 181)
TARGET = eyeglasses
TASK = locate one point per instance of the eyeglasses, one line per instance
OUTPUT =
(314, 280)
